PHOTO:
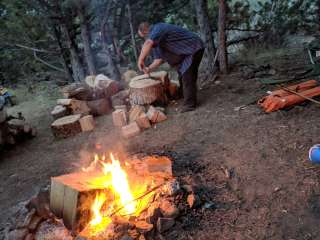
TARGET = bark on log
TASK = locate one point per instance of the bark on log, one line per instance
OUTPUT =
(66, 126)
(99, 107)
(78, 91)
(146, 91)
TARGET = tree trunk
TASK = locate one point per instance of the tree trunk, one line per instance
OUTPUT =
(223, 55)
(112, 67)
(66, 67)
(201, 7)
(133, 40)
(86, 39)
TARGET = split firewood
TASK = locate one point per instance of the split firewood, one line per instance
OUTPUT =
(99, 107)
(143, 121)
(131, 130)
(66, 126)
(135, 112)
(87, 123)
(155, 115)
(119, 118)
(145, 90)
(59, 111)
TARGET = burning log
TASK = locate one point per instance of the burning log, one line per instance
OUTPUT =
(71, 198)
(66, 126)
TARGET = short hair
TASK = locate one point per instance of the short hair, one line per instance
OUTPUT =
(143, 26)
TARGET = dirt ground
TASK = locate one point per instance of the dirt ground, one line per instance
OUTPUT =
(251, 168)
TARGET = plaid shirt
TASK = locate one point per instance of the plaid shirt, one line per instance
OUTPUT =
(175, 45)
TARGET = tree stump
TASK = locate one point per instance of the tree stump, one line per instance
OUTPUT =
(144, 90)
(87, 123)
(66, 126)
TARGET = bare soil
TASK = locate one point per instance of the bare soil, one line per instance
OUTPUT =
(251, 168)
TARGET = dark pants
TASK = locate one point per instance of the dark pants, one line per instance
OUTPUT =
(188, 81)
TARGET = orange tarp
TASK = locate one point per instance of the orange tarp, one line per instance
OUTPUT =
(280, 99)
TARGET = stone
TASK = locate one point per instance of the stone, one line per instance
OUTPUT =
(143, 227)
(171, 187)
(168, 209)
(126, 237)
(52, 230)
(143, 121)
(155, 115)
(193, 200)
(164, 224)
(36, 220)
(135, 112)
(18, 234)
(40, 203)
(30, 236)
(153, 214)
(119, 118)
(131, 130)
(133, 233)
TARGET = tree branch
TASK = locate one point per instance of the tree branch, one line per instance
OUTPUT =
(46, 63)
(241, 40)
(34, 49)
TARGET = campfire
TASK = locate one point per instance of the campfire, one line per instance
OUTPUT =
(112, 198)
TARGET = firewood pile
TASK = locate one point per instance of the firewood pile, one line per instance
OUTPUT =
(133, 108)
(145, 92)
(14, 129)
(83, 101)
(64, 212)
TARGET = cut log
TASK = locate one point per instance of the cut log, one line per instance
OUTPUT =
(135, 112)
(121, 98)
(87, 123)
(129, 75)
(131, 130)
(66, 126)
(59, 111)
(71, 197)
(121, 107)
(155, 115)
(103, 86)
(99, 107)
(79, 107)
(119, 118)
(77, 91)
(64, 102)
(143, 121)
(144, 90)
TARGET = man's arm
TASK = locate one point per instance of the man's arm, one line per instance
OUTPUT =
(154, 65)
(146, 49)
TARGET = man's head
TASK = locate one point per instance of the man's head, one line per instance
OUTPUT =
(144, 29)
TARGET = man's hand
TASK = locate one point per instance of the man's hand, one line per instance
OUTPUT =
(146, 70)
(141, 65)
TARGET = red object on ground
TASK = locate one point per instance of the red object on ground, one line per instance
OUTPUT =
(281, 99)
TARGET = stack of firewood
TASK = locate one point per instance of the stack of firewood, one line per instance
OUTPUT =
(14, 129)
(75, 113)
(145, 92)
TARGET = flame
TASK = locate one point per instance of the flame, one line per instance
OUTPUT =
(123, 202)
(96, 208)
(120, 184)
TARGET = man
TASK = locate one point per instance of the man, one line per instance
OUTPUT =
(181, 48)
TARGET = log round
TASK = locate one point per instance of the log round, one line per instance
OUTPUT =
(146, 91)
(66, 126)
